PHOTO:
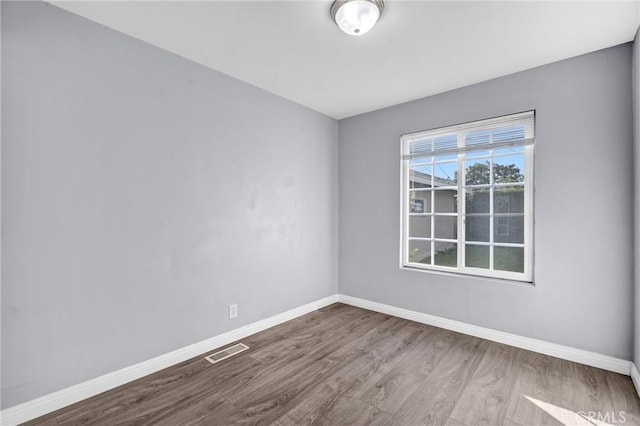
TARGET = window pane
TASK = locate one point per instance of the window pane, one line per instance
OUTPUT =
(419, 251)
(508, 229)
(446, 254)
(472, 154)
(477, 228)
(508, 259)
(508, 169)
(420, 176)
(446, 227)
(446, 201)
(477, 200)
(508, 199)
(509, 150)
(477, 172)
(420, 201)
(476, 256)
(420, 226)
(445, 174)
(446, 157)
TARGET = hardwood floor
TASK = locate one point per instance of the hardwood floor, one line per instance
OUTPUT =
(344, 365)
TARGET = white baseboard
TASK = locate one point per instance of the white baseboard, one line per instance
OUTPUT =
(62, 398)
(559, 351)
(635, 378)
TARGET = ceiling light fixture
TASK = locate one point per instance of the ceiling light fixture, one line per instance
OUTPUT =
(356, 17)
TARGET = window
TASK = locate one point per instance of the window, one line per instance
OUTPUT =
(467, 198)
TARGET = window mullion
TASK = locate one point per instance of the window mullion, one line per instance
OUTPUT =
(405, 211)
(528, 211)
(461, 206)
(491, 213)
(433, 216)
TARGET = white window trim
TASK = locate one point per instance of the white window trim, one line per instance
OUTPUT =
(527, 275)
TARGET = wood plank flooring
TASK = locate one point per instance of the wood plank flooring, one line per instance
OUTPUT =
(344, 365)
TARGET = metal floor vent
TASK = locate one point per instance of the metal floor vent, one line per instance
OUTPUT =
(226, 353)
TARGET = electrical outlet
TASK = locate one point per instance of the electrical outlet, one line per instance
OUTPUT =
(233, 311)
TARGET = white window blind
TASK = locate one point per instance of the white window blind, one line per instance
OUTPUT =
(493, 133)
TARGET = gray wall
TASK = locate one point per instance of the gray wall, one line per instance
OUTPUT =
(0, 215)
(636, 169)
(583, 206)
(141, 195)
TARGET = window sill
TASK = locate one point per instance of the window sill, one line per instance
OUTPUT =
(469, 276)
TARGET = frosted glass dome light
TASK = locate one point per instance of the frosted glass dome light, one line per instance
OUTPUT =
(356, 17)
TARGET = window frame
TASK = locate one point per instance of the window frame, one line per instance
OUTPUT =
(461, 131)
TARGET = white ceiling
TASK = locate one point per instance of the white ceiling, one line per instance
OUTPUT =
(417, 49)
